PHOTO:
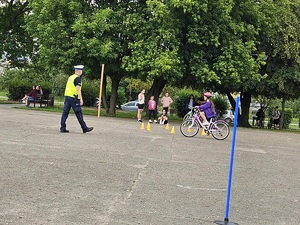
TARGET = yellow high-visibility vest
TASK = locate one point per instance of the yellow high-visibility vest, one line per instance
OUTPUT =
(70, 90)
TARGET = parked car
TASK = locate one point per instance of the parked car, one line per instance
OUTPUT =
(228, 116)
(130, 106)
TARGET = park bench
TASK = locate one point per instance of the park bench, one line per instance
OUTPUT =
(46, 100)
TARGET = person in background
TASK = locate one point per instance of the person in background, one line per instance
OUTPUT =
(141, 104)
(189, 103)
(166, 101)
(260, 117)
(163, 118)
(39, 89)
(74, 100)
(152, 109)
(254, 117)
(276, 118)
(30, 96)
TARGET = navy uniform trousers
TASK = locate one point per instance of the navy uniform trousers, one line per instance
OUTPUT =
(73, 103)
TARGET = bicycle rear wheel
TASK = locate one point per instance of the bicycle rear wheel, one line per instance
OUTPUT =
(220, 130)
(189, 128)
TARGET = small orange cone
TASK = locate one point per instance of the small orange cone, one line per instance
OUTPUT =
(142, 126)
(148, 127)
(203, 132)
(167, 127)
(189, 130)
(173, 130)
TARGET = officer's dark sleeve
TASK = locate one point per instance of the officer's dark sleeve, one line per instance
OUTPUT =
(77, 81)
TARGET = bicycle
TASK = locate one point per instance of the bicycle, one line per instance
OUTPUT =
(219, 129)
(189, 114)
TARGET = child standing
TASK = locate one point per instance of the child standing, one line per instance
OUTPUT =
(152, 109)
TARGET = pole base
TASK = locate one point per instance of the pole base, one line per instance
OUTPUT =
(225, 222)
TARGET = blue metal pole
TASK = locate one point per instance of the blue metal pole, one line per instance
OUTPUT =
(236, 113)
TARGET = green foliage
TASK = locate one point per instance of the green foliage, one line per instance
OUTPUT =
(17, 88)
(20, 82)
(180, 100)
(15, 42)
(295, 105)
(224, 46)
(287, 119)
(221, 104)
(121, 97)
(30, 76)
(90, 91)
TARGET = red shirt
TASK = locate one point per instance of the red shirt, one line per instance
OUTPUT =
(33, 93)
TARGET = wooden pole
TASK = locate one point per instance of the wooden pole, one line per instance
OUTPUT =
(100, 92)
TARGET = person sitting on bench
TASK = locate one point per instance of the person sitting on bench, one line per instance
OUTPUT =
(30, 96)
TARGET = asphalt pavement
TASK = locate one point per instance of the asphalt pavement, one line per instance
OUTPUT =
(122, 174)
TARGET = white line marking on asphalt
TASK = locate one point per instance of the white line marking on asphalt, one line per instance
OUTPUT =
(255, 150)
(204, 189)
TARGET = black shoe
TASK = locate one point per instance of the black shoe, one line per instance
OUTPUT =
(88, 129)
(64, 131)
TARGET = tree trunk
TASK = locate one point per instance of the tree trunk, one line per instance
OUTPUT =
(104, 96)
(282, 113)
(155, 90)
(245, 105)
(243, 115)
(113, 97)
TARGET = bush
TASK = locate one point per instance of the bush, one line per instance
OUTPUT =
(221, 105)
(46, 87)
(90, 92)
(180, 99)
(17, 88)
(287, 119)
(121, 98)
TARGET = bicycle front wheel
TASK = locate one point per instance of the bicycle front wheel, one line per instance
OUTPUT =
(188, 116)
(189, 128)
(220, 130)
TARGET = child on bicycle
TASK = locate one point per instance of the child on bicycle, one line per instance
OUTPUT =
(207, 110)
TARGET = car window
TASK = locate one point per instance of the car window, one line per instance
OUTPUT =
(130, 104)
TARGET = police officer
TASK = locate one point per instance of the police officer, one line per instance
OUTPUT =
(73, 98)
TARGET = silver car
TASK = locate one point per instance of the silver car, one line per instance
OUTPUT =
(228, 117)
(130, 106)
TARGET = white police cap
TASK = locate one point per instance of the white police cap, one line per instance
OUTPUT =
(79, 67)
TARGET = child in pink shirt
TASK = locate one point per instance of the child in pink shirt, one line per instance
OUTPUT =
(152, 109)
(166, 101)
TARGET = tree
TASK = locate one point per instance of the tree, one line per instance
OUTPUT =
(281, 42)
(154, 45)
(16, 45)
(87, 32)
(219, 44)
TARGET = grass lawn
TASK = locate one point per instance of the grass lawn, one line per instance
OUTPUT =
(3, 95)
